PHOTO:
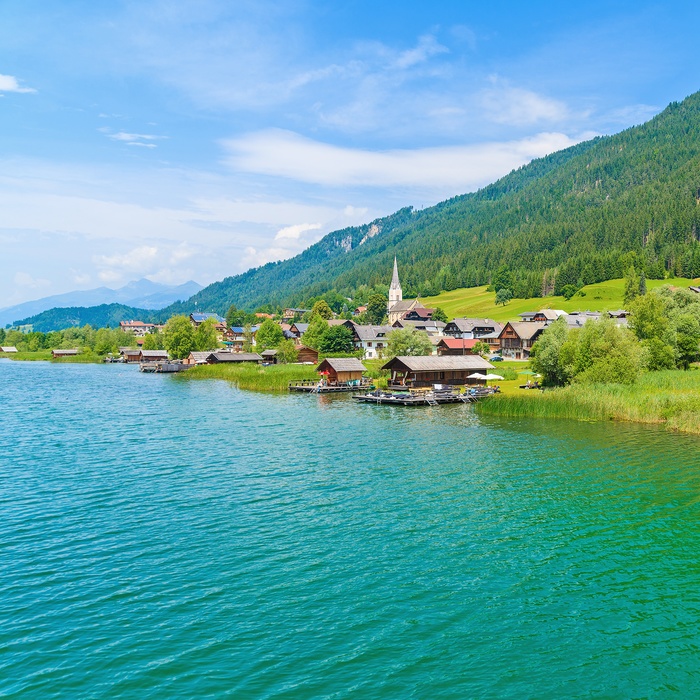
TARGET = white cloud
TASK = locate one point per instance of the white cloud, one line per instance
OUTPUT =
(24, 279)
(515, 106)
(136, 260)
(63, 222)
(294, 232)
(142, 140)
(180, 253)
(81, 278)
(464, 167)
(426, 48)
(110, 276)
(8, 83)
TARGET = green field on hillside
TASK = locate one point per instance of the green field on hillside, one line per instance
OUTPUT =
(476, 302)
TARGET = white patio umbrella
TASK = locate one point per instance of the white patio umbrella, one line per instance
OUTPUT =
(494, 376)
(476, 375)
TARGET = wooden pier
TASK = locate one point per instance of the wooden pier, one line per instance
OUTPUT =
(421, 398)
(164, 367)
(312, 386)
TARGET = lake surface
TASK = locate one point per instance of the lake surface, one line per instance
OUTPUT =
(169, 538)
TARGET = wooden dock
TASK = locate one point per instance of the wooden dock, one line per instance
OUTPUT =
(312, 386)
(420, 398)
(164, 367)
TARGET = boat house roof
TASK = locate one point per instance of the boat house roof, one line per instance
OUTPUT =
(438, 363)
(236, 356)
(342, 364)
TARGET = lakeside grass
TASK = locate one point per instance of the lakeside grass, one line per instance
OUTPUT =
(46, 356)
(476, 302)
(670, 398)
(274, 378)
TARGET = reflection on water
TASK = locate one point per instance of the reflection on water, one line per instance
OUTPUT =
(167, 538)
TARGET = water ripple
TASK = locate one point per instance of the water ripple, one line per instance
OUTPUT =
(165, 538)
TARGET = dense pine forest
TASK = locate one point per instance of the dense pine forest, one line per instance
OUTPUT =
(582, 215)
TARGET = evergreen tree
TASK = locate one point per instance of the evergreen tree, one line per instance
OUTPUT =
(439, 315)
(376, 309)
(632, 284)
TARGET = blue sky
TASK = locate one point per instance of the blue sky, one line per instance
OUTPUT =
(192, 140)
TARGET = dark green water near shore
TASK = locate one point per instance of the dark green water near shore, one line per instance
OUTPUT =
(163, 538)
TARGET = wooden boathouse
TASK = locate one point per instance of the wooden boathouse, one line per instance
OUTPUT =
(342, 370)
(336, 374)
(426, 371)
(71, 352)
(216, 358)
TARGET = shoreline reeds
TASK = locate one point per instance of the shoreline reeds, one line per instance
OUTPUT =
(671, 398)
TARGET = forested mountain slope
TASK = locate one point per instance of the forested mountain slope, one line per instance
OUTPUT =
(581, 215)
(105, 315)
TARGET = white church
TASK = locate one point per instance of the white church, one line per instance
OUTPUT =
(397, 307)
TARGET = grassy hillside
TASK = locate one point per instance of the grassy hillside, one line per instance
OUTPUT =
(583, 214)
(476, 302)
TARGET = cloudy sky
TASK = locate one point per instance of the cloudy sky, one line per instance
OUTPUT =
(185, 140)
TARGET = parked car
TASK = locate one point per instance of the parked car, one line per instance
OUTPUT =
(496, 358)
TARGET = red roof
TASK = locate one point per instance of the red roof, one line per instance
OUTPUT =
(459, 343)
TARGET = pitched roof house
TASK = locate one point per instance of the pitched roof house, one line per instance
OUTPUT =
(472, 327)
(138, 328)
(199, 318)
(371, 339)
(456, 346)
(547, 315)
(518, 337)
(430, 326)
(424, 371)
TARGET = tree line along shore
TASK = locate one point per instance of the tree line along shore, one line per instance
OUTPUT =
(645, 373)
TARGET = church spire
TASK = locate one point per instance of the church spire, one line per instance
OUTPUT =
(395, 284)
(395, 293)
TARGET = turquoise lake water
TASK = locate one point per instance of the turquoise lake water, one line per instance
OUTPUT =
(169, 538)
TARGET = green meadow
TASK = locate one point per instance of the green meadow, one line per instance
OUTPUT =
(476, 302)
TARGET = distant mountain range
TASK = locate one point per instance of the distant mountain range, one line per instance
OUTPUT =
(141, 294)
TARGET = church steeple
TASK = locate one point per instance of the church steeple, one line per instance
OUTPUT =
(395, 293)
